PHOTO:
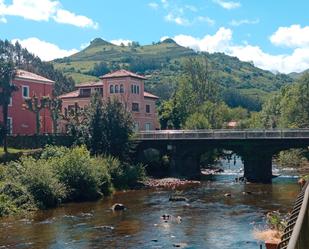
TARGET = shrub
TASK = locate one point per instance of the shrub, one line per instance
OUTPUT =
(42, 182)
(103, 175)
(75, 170)
(51, 151)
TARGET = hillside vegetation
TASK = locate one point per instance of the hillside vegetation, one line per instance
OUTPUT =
(162, 64)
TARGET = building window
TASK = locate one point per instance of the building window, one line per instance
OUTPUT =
(137, 89)
(147, 108)
(11, 101)
(111, 89)
(99, 90)
(116, 89)
(25, 91)
(85, 92)
(132, 89)
(9, 126)
(135, 107)
(121, 89)
(147, 126)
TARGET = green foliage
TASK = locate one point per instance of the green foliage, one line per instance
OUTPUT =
(291, 158)
(289, 108)
(7, 73)
(41, 180)
(76, 171)
(162, 63)
(105, 127)
(27, 61)
(62, 174)
(276, 220)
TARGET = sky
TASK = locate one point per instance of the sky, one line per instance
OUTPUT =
(273, 34)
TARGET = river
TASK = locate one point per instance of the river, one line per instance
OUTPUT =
(208, 220)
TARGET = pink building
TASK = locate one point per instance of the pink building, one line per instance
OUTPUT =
(128, 87)
(21, 121)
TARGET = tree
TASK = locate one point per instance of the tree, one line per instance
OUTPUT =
(76, 123)
(27, 61)
(35, 105)
(117, 128)
(96, 131)
(54, 106)
(7, 73)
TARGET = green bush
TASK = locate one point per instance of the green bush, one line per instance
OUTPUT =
(62, 174)
(42, 182)
(76, 171)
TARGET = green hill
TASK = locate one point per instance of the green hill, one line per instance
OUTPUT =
(161, 63)
(298, 75)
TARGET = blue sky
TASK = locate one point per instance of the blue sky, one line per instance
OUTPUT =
(272, 34)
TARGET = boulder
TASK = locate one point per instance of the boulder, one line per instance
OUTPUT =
(118, 207)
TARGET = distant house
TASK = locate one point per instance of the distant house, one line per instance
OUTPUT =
(21, 121)
(128, 87)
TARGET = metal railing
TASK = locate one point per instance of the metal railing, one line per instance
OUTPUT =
(296, 233)
(223, 134)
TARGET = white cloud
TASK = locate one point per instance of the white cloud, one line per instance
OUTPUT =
(243, 21)
(293, 37)
(210, 43)
(221, 41)
(153, 5)
(44, 10)
(45, 50)
(64, 16)
(228, 4)
(170, 17)
(121, 41)
(3, 20)
(206, 19)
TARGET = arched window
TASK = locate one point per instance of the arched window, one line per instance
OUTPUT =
(111, 89)
(116, 89)
(121, 89)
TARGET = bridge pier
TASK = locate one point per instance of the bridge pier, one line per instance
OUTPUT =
(184, 162)
(258, 166)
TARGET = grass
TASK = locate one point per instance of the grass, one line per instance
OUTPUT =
(12, 150)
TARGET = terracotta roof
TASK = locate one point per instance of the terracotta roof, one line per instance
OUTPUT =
(90, 84)
(74, 94)
(149, 95)
(122, 73)
(25, 75)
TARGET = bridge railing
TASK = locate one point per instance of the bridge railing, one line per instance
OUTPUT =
(297, 230)
(223, 134)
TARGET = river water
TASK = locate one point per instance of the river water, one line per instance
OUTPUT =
(208, 220)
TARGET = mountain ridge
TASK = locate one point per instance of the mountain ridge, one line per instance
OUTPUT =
(161, 62)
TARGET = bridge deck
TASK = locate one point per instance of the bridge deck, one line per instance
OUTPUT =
(223, 134)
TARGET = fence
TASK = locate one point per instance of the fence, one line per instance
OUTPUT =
(223, 134)
(296, 233)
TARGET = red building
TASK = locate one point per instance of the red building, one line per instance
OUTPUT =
(128, 87)
(22, 121)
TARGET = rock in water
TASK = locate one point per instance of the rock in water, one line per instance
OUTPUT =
(118, 207)
(178, 198)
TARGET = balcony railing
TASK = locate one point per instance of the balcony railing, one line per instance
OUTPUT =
(223, 134)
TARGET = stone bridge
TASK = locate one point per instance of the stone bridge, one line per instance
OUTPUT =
(256, 148)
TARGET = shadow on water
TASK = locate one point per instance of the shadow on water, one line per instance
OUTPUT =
(209, 219)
